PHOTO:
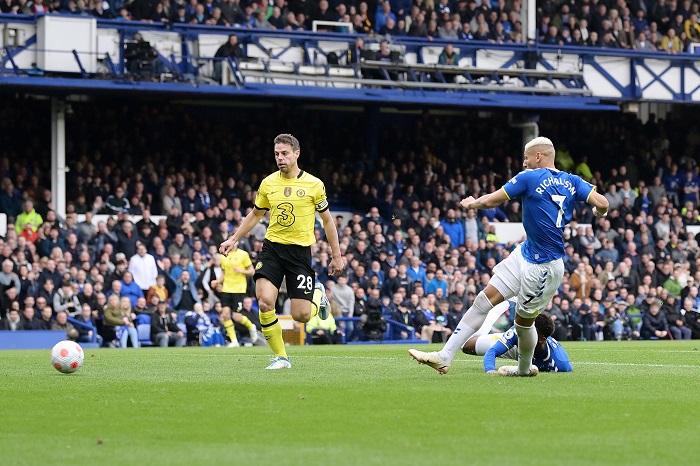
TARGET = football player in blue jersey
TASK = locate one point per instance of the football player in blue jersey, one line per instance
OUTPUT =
(549, 355)
(534, 270)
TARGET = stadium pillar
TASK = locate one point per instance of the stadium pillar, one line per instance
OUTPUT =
(530, 131)
(530, 21)
(58, 156)
(527, 124)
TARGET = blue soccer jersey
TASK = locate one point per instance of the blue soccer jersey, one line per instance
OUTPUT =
(553, 358)
(548, 197)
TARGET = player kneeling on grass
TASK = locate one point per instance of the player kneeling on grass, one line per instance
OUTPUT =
(549, 355)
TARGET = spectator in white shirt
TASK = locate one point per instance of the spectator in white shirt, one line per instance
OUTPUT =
(143, 267)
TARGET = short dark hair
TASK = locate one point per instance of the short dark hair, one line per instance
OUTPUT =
(285, 138)
(544, 325)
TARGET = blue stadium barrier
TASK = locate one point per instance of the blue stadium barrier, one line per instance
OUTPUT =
(31, 339)
(391, 326)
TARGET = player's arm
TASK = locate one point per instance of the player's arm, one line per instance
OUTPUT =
(486, 201)
(561, 360)
(506, 342)
(337, 263)
(498, 349)
(244, 228)
(599, 202)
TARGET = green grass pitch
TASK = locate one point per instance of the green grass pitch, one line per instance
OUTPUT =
(625, 403)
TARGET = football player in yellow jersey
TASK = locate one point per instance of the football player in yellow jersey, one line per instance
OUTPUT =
(293, 197)
(237, 267)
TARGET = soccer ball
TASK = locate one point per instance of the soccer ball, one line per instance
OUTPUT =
(67, 356)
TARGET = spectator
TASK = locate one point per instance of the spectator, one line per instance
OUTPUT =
(143, 268)
(127, 239)
(45, 319)
(324, 332)
(185, 293)
(164, 332)
(117, 203)
(61, 323)
(12, 322)
(677, 322)
(28, 216)
(130, 289)
(654, 323)
(64, 300)
(87, 316)
(231, 49)
(118, 315)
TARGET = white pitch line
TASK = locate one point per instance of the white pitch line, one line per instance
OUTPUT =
(623, 350)
(589, 363)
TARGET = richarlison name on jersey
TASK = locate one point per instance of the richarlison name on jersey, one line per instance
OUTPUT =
(552, 181)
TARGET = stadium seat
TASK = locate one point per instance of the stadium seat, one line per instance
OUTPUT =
(144, 319)
(144, 331)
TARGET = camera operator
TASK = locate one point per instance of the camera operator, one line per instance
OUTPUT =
(371, 321)
(140, 58)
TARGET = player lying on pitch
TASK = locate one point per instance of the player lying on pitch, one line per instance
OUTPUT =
(549, 355)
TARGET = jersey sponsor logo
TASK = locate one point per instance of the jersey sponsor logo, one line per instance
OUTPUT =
(285, 218)
(287, 192)
(301, 193)
(258, 266)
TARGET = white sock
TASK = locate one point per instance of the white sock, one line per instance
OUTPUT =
(471, 321)
(527, 339)
(491, 318)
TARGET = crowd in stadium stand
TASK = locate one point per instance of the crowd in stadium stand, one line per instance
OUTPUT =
(411, 252)
(664, 25)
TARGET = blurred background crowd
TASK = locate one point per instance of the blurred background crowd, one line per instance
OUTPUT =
(413, 255)
(670, 26)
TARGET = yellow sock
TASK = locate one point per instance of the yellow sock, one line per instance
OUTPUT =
(230, 331)
(316, 301)
(272, 330)
(247, 323)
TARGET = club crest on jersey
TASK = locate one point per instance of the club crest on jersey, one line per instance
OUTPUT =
(258, 266)
(287, 192)
(301, 193)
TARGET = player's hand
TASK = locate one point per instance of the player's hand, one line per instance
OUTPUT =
(467, 202)
(598, 214)
(228, 246)
(336, 266)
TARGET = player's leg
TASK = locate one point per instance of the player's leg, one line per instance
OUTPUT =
(491, 318)
(471, 321)
(227, 301)
(479, 345)
(239, 318)
(539, 284)
(307, 296)
(504, 284)
(236, 304)
(269, 273)
(266, 292)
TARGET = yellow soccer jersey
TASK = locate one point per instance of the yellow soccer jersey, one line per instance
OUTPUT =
(235, 282)
(292, 204)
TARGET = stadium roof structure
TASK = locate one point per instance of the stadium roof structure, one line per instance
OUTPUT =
(60, 55)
